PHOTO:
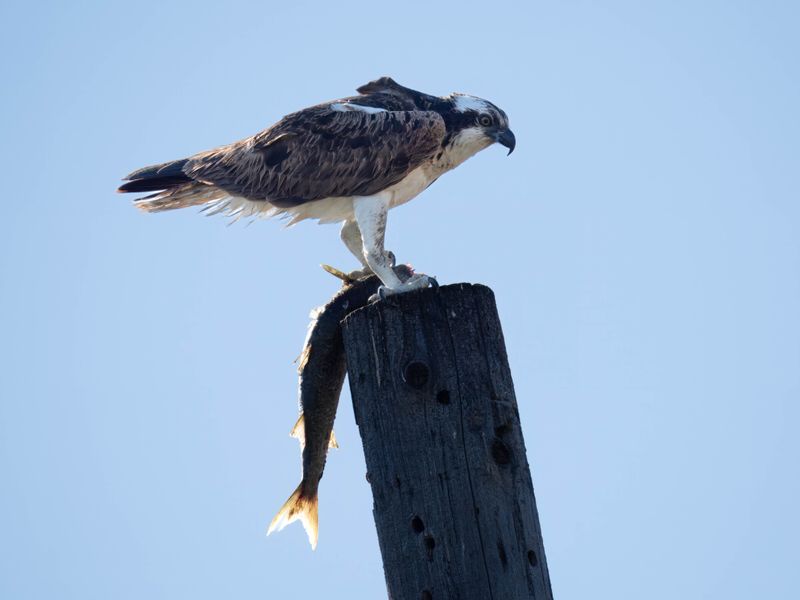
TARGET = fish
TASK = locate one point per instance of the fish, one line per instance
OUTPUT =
(321, 370)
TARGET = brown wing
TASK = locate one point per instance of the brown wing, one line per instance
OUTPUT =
(319, 152)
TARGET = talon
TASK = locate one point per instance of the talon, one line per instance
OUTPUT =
(390, 258)
(418, 281)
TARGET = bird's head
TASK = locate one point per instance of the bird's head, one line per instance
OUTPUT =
(480, 123)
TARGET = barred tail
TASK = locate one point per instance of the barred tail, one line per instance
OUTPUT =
(302, 507)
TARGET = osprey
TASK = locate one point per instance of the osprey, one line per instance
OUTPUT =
(347, 160)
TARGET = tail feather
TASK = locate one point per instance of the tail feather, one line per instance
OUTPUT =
(168, 171)
(172, 187)
(183, 196)
(302, 507)
(153, 184)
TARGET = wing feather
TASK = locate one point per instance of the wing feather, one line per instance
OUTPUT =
(319, 153)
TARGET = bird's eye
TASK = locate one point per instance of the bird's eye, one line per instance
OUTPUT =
(485, 120)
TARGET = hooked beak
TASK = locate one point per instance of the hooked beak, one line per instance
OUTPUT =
(506, 138)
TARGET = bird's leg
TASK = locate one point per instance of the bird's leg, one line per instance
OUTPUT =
(351, 236)
(370, 213)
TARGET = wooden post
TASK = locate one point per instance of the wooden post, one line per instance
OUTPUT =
(435, 406)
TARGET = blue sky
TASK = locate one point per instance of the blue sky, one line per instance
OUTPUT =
(642, 242)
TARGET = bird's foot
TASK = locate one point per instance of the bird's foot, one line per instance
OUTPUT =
(417, 281)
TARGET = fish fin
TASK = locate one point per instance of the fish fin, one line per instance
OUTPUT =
(299, 430)
(304, 508)
(302, 360)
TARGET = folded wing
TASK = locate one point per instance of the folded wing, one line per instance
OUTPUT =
(322, 152)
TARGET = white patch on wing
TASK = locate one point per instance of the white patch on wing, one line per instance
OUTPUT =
(463, 103)
(350, 107)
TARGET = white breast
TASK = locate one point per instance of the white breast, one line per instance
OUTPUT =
(411, 185)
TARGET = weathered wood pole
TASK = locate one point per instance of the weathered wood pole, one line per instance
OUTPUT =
(435, 406)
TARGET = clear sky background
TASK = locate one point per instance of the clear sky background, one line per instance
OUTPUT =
(642, 242)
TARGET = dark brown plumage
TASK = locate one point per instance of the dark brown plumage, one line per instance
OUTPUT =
(318, 152)
(321, 152)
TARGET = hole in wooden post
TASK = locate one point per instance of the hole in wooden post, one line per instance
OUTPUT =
(416, 374)
(501, 550)
(502, 430)
(430, 544)
(417, 525)
(443, 397)
(500, 452)
(532, 558)
(426, 595)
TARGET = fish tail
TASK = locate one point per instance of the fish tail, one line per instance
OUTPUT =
(303, 507)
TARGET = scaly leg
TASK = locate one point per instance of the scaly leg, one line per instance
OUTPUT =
(370, 213)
